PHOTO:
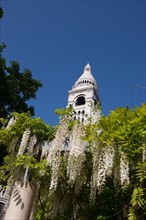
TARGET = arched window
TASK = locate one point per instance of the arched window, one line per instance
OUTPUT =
(80, 101)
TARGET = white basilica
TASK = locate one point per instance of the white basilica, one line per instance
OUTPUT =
(84, 96)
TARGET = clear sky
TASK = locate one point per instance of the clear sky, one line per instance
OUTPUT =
(56, 39)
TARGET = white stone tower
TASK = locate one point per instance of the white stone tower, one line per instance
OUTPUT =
(84, 97)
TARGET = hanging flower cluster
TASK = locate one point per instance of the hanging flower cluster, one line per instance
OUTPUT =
(96, 115)
(32, 142)
(103, 161)
(54, 155)
(24, 142)
(124, 169)
(45, 147)
(86, 168)
(76, 154)
(11, 122)
(95, 160)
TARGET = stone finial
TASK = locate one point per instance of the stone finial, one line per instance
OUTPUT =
(87, 67)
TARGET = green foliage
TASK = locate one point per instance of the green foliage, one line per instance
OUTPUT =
(60, 111)
(1, 12)
(13, 164)
(36, 125)
(141, 172)
(131, 215)
(30, 162)
(138, 196)
(16, 88)
(2, 46)
(100, 218)
(25, 121)
(137, 202)
(6, 170)
(66, 114)
(91, 134)
(41, 130)
(16, 168)
(37, 168)
(111, 201)
(123, 129)
(5, 137)
(64, 111)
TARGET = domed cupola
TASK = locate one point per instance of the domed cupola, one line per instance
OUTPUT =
(86, 79)
(84, 95)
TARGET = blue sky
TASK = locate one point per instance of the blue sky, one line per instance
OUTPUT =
(56, 39)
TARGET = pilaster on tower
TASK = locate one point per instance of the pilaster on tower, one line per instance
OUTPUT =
(84, 96)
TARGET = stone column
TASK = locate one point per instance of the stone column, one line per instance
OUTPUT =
(21, 201)
(22, 196)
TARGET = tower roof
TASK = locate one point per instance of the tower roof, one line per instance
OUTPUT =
(84, 96)
(87, 75)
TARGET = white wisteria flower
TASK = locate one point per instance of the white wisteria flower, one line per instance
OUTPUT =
(76, 154)
(124, 169)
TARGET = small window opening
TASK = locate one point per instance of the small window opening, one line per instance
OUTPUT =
(95, 102)
(80, 101)
(83, 112)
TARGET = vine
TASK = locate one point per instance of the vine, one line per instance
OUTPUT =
(93, 171)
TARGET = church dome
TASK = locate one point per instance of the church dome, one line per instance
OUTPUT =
(86, 77)
(83, 96)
